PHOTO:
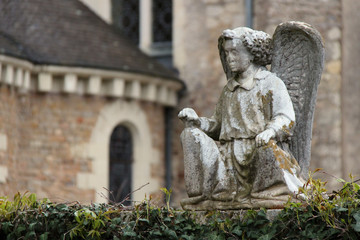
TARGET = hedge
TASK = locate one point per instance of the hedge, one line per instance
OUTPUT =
(319, 216)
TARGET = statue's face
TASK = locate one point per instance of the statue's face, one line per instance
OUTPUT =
(238, 57)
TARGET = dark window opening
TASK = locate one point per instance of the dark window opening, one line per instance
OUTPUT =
(162, 20)
(125, 16)
(121, 158)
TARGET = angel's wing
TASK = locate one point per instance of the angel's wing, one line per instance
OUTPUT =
(298, 59)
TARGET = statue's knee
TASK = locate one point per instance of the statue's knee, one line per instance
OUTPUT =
(196, 136)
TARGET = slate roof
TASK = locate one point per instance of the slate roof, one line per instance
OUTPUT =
(68, 33)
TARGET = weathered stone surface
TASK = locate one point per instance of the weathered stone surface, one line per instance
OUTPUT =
(324, 16)
(196, 57)
(202, 217)
(299, 61)
(253, 120)
(351, 88)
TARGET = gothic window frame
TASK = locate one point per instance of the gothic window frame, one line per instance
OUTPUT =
(146, 38)
(147, 43)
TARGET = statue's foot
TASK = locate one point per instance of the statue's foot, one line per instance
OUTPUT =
(193, 200)
(223, 196)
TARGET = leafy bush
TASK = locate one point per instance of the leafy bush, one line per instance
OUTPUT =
(319, 216)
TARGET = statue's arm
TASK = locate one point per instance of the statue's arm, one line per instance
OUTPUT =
(211, 126)
(189, 117)
(283, 115)
(282, 122)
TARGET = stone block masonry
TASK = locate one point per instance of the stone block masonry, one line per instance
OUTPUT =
(196, 57)
(326, 16)
(44, 144)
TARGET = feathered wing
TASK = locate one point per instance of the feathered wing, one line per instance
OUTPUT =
(298, 59)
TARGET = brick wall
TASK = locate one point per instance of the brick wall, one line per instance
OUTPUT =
(8, 132)
(155, 117)
(43, 131)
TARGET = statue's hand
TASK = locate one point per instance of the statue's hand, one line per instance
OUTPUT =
(264, 137)
(188, 115)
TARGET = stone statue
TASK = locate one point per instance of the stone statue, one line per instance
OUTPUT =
(255, 149)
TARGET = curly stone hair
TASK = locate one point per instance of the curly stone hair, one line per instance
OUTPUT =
(261, 49)
(258, 43)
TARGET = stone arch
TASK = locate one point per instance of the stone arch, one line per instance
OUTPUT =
(132, 116)
(121, 164)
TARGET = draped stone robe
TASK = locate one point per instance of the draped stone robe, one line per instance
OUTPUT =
(236, 169)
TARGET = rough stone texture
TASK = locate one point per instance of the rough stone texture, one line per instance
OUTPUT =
(196, 57)
(201, 217)
(42, 130)
(198, 25)
(326, 17)
(351, 87)
(155, 117)
(247, 170)
(299, 63)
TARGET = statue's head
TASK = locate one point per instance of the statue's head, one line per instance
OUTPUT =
(256, 44)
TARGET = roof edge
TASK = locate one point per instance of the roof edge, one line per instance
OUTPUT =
(27, 76)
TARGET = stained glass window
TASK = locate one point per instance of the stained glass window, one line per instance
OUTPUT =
(126, 15)
(162, 20)
(121, 156)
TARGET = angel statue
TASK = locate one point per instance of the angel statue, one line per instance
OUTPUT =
(255, 150)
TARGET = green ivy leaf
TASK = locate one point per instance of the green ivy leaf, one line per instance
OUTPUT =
(171, 233)
(128, 232)
(117, 221)
(237, 231)
(155, 233)
(356, 226)
(32, 226)
(265, 237)
(214, 236)
(7, 226)
(143, 220)
(30, 235)
(44, 236)
(341, 209)
(19, 230)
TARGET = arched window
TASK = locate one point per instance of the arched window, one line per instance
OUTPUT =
(121, 158)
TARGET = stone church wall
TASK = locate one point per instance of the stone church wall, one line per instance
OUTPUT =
(326, 17)
(197, 27)
(47, 143)
(351, 87)
(8, 132)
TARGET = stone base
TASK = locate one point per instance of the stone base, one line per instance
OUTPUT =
(253, 203)
(202, 217)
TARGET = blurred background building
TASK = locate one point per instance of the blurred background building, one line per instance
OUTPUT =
(74, 86)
